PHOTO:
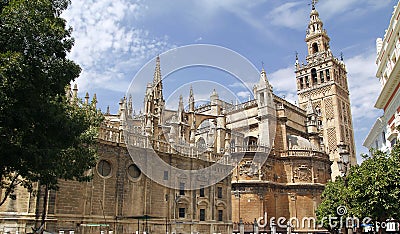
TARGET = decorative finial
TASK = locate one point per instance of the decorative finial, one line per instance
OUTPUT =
(263, 73)
(87, 98)
(296, 64)
(94, 100)
(313, 3)
(341, 56)
(74, 93)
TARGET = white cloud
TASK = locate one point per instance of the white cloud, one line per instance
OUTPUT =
(289, 15)
(364, 89)
(363, 85)
(106, 47)
(292, 14)
(284, 83)
(332, 8)
(243, 94)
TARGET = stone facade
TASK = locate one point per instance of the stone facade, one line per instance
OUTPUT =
(284, 149)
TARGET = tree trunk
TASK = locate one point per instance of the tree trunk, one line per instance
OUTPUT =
(10, 189)
(44, 211)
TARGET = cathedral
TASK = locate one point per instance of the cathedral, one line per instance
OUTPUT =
(281, 156)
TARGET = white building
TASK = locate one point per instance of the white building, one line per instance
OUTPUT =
(383, 134)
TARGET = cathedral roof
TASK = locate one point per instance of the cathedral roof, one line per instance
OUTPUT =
(298, 142)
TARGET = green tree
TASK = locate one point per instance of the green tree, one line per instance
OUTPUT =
(371, 189)
(43, 136)
(334, 204)
(375, 186)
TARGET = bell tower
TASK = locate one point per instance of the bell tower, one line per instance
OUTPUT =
(322, 80)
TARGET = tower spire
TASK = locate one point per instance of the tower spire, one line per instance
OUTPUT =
(158, 89)
(322, 95)
(191, 99)
(316, 37)
(157, 71)
(313, 3)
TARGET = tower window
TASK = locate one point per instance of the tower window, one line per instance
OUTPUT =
(328, 75)
(314, 47)
(262, 98)
(321, 76)
(314, 76)
(307, 82)
(301, 83)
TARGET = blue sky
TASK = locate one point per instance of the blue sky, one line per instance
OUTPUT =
(114, 39)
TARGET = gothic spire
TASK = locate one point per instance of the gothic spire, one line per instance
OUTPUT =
(191, 99)
(157, 72)
(130, 106)
(157, 89)
(180, 109)
(180, 105)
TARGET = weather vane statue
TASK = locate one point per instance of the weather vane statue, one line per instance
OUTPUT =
(313, 3)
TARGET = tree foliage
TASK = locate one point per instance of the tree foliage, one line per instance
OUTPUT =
(374, 186)
(335, 195)
(371, 189)
(43, 136)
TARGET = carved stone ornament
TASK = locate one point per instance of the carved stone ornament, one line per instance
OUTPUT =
(302, 174)
(249, 168)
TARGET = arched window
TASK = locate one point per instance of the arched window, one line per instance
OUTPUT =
(201, 143)
(314, 76)
(314, 47)
(328, 75)
(301, 83)
(321, 76)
